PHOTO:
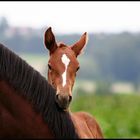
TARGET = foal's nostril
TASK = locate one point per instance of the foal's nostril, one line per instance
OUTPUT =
(70, 98)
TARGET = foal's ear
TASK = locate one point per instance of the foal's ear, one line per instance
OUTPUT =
(49, 40)
(79, 46)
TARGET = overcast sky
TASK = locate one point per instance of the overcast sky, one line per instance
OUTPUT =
(74, 17)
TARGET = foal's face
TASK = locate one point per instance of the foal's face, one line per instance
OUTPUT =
(62, 67)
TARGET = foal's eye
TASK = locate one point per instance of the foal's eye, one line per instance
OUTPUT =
(49, 66)
(77, 69)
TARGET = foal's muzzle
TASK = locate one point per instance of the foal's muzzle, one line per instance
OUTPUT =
(63, 101)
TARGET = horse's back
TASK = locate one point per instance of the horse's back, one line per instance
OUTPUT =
(86, 125)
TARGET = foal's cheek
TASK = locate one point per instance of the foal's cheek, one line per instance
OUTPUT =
(51, 78)
(56, 79)
(72, 80)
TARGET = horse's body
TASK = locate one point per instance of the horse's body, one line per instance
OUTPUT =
(17, 117)
(86, 126)
(27, 102)
(62, 68)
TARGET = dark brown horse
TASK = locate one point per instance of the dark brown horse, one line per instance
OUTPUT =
(62, 68)
(27, 102)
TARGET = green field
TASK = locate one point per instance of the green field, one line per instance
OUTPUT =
(118, 115)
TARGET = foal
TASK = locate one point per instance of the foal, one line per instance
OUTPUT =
(62, 68)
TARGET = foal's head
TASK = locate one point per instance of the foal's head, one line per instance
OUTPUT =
(62, 66)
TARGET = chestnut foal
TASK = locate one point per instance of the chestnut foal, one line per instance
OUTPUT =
(62, 68)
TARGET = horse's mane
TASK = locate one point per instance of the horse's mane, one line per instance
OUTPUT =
(29, 82)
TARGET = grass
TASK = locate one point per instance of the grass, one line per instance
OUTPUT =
(118, 115)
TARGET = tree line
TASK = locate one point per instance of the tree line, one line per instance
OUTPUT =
(108, 56)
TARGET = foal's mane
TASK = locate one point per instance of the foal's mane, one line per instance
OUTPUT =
(29, 82)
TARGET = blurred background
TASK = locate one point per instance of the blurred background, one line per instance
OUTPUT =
(108, 82)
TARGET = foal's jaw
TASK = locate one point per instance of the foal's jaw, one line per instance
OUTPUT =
(63, 66)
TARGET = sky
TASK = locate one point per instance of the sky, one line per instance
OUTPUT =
(74, 17)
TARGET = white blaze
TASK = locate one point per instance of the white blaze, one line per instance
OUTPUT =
(66, 62)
